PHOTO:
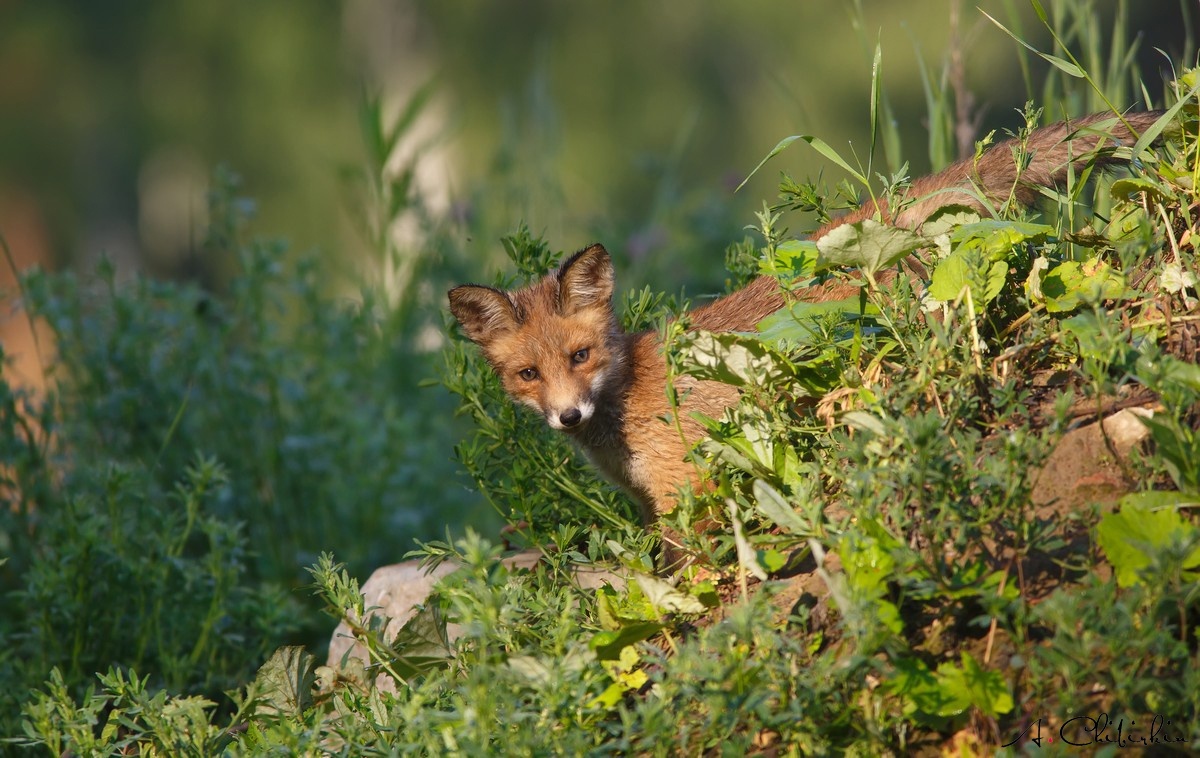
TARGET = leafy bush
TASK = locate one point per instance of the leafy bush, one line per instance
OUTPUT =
(877, 575)
(195, 452)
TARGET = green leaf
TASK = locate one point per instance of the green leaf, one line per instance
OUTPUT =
(998, 239)
(663, 596)
(1129, 187)
(747, 558)
(422, 643)
(1168, 118)
(979, 260)
(817, 144)
(1070, 69)
(1178, 448)
(946, 220)
(732, 358)
(795, 324)
(772, 505)
(608, 644)
(867, 244)
(973, 685)
(864, 421)
(924, 697)
(1170, 371)
(951, 277)
(285, 682)
(1071, 284)
(1090, 334)
(1159, 499)
(779, 148)
(611, 696)
(792, 260)
(1132, 537)
(968, 270)
(772, 560)
(732, 450)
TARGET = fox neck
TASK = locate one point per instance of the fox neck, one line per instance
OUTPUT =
(604, 438)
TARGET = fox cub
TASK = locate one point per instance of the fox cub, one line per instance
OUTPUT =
(558, 348)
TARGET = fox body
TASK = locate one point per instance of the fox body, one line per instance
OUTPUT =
(558, 348)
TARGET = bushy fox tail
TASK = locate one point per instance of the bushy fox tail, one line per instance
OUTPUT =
(1050, 153)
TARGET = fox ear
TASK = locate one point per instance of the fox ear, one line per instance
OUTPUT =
(585, 280)
(483, 312)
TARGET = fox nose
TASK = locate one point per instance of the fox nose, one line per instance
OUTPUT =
(570, 417)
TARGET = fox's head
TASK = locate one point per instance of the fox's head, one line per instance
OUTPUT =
(555, 344)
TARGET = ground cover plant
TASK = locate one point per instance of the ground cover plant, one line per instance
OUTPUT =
(887, 572)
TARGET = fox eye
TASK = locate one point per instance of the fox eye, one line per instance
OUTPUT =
(528, 374)
(579, 356)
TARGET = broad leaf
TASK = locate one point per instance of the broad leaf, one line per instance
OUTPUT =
(1134, 536)
(665, 597)
(867, 244)
(285, 682)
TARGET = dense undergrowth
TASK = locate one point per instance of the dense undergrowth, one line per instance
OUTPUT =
(878, 573)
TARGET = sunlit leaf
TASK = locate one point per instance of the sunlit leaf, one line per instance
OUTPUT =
(1132, 536)
(664, 596)
(867, 244)
(772, 505)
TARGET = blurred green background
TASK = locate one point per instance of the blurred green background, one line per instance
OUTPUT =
(630, 124)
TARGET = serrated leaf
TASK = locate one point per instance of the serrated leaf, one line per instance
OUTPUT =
(973, 685)
(1132, 186)
(422, 644)
(952, 276)
(1175, 280)
(946, 220)
(1071, 283)
(1132, 536)
(867, 244)
(732, 359)
(979, 259)
(284, 683)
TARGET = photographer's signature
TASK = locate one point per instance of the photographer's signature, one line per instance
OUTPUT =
(1083, 731)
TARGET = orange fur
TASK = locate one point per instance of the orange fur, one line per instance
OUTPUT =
(618, 387)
